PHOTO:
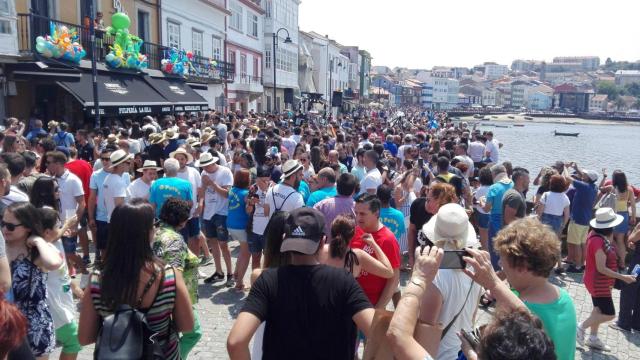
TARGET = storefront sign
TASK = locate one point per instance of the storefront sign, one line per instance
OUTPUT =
(188, 108)
(116, 88)
(177, 90)
(131, 110)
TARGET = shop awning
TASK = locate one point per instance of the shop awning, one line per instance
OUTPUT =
(119, 94)
(178, 93)
(41, 71)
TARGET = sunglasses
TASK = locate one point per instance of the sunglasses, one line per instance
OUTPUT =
(9, 226)
(105, 159)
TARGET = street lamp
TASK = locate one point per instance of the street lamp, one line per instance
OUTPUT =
(287, 40)
(331, 83)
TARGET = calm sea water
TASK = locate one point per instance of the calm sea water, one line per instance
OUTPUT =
(598, 146)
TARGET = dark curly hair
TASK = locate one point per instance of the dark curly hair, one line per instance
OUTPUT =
(516, 335)
(175, 211)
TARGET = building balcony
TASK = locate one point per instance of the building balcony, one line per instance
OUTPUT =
(248, 83)
(30, 26)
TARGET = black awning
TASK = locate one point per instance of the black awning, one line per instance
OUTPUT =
(41, 71)
(179, 93)
(118, 94)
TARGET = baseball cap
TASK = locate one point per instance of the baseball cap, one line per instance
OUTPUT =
(305, 229)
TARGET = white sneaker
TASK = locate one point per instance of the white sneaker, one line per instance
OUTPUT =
(580, 336)
(595, 343)
(202, 275)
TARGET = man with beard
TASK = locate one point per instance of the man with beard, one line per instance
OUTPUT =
(284, 196)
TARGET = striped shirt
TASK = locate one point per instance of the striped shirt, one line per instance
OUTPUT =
(158, 314)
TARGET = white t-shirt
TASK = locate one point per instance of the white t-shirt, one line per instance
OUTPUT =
(193, 177)
(14, 196)
(402, 149)
(470, 167)
(59, 298)
(371, 180)
(214, 203)
(284, 198)
(70, 187)
(134, 146)
(454, 286)
(113, 187)
(554, 203)
(139, 189)
(260, 221)
(290, 145)
(482, 191)
(476, 151)
(493, 148)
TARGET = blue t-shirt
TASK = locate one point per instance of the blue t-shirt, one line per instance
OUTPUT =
(392, 147)
(583, 200)
(35, 132)
(95, 183)
(237, 217)
(164, 188)
(303, 189)
(63, 138)
(495, 194)
(394, 220)
(320, 195)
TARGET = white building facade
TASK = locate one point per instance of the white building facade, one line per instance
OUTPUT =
(281, 14)
(443, 91)
(198, 27)
(495, 71)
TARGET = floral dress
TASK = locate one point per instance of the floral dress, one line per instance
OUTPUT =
(28, 284)
(169, 246)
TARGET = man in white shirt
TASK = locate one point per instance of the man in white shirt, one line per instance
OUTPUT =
(191, 230)
(289, 143)
(372, 178)
(16, 164)
(476, 150)
(114, 187)
(140, 187)
(285, 196)
(71, 203)
(492, 148)
(408, 143)
(216, 183)
(460, 151)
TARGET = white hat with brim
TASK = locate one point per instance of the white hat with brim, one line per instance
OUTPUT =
(182, 151)
(118, 157)
(289, 168)
(149, 164)
(156, 138)
(206, 159)
(451, 223)
(170, 134)
(606, 218)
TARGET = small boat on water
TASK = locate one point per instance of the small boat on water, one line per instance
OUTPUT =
(556, 133)
(494, 116)
(570, 123)
(502, 126)
(518, 125)
(477, 116)
(486, 124)
(486, 118)
(511, 117)
(528, 118)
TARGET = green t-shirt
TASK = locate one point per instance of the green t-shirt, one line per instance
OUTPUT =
(560, 323)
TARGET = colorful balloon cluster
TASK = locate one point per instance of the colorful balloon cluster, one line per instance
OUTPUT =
(61, 43)
(125, 52)
(177, 62)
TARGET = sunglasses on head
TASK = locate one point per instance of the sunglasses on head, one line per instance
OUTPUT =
(9, 226)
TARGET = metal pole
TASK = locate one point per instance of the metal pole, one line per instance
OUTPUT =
(94, 70)
(275, 39)
(331, 86)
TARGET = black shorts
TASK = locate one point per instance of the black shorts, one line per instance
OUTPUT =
(605, 304)
(102, 234)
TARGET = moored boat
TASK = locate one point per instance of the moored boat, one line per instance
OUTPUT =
(556, 133)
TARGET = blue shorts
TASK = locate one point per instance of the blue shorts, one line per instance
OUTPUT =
(70, 244)
(554, 221)
(191, 229)
(216, 228)
(256, 243)
(102, 234)
(623, 228)
(483, 220)
(495, 224)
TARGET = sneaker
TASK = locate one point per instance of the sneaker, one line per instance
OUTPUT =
(573, 269)
(230, 282)
(206, 260)
(580, 336)
(594, 342)
(202, 275)
(614, 325)
(214, 278)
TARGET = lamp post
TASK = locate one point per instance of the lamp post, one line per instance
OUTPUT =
(331, 84)
(287, 40)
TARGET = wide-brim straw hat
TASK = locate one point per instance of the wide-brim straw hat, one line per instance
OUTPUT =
(149, 164)
(118, 157)
(182, 151)
(206, 158)
(606, 218)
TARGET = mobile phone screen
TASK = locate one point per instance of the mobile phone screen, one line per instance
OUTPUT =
(453, 260)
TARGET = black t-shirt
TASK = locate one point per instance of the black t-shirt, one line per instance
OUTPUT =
(513, 199)
(156, 153)
(308, 311)
(418, 214)
(85, 152)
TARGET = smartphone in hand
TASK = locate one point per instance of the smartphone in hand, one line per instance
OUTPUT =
(453, 259)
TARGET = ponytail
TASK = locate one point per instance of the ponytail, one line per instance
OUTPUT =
(338, 246)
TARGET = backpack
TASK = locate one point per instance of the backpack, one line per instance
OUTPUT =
(607, 200)
(126, 335)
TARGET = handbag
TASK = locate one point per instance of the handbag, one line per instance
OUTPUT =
(608, 200)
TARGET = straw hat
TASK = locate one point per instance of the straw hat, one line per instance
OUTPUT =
(206, 159)
(193, 142)
(149, 164)
(289, 168)
(118, 157)
(156, 138)
(451, 223)
(52, 124)
(170, 134)
(111, 139)
(206, 137)
(605, 218)
(182, 151)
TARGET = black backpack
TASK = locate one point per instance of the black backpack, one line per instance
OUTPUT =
(126, 335)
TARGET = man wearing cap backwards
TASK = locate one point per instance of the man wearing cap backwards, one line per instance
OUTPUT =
(216, 183)
(140, 187)
(309, 309)
(114, 187)
(584, 182)
(191, 231)
(378, 290)
(285, 196)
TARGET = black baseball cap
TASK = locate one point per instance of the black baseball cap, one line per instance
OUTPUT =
(305, 229)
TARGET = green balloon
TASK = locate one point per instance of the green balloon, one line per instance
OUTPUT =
(120, 21)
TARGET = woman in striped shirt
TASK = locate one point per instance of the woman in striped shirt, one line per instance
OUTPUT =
(129, 266)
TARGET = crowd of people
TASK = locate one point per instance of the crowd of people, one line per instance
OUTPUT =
(327, 214)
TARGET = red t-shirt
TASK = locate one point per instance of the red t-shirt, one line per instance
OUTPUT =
(372, 284)
(83, 170)
(599, 285)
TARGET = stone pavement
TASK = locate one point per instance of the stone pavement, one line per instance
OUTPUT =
(218, 307)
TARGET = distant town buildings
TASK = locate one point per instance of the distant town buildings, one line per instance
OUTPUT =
(624, 77)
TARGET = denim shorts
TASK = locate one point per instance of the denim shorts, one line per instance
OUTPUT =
(623, 227)
(256, 243)
(216, 228)
(483, 220)
(555, 221)
(191, 229)
(70, 244)
(495, 224)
